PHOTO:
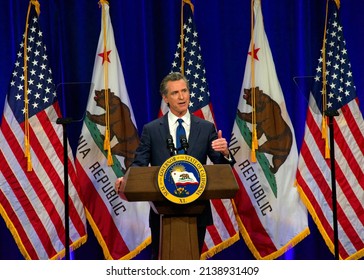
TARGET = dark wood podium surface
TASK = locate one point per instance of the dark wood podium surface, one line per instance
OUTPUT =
(178, 238)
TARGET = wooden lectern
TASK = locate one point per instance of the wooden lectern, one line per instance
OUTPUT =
(178, 240)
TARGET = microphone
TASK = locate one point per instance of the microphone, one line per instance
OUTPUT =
(170, 145)
(184, 143)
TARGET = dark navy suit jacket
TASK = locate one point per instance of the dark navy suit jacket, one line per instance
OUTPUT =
(153, 143)
(153, 148)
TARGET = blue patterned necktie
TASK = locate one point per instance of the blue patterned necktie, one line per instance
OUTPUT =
(180, 131)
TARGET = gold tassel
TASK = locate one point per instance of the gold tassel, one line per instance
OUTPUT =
(323, 128)
(29, 164)
(106, 89)
(26, 100)
(255, 138)
(327, 149)
(107, 147)
(27, 154)
(324, 92)
(107, 139)
(254, 144)
(110, 161)
(253, 155)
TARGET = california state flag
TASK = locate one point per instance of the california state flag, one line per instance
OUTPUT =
(106, 148)
(271, 216)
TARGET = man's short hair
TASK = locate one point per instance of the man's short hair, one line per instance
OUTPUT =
(174, 76)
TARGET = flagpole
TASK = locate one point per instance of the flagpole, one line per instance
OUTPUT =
(64, 122)
(331, 115)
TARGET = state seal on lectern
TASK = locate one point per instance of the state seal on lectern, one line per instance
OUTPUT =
(182, 179)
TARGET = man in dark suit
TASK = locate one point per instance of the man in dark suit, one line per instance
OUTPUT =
(203, 139)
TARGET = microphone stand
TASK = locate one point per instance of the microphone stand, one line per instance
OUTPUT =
(170, 146)
(62, 90)
(64, 122)
(184, 143)
(331, 115)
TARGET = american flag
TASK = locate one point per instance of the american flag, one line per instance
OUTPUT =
(224, 232)
(32, 201)
(314, 170)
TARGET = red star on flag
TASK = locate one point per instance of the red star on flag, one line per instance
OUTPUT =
(105, 56)
(255, 53)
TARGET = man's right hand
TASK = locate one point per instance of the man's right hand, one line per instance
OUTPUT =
(120, 186)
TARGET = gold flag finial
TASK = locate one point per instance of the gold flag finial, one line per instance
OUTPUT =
(189, 3)
(102, 2)
(36, 5)
(337, 2)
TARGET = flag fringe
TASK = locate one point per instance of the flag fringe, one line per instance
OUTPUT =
(228, 242)
(218, 248)
(294, 241)
(104, 247)
(14, 233)
(359, 254)
(75, 245)
(9, 224)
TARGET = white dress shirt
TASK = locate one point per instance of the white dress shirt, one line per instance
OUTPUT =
(173, 123)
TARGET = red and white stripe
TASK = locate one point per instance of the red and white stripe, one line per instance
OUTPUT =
(33, 202)
(314, 179)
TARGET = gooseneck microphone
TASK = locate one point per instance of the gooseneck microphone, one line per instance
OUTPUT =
(184, 143)
(170, 145)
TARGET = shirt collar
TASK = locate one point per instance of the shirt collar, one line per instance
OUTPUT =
(172, 119)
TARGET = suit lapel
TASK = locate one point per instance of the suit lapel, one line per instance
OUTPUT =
(164, 127)
(195, 130)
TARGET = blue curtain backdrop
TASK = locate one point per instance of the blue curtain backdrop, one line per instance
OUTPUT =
(146, 34)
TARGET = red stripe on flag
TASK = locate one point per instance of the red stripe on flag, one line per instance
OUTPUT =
(325, 190)
(251, 221)
(16, 224)
(199, 113)
(315, 204)
(224, 216)
(347, 151)
(24, 202)
(96, 206)
(355, 169)
(317, 176)
(214, 234)
(350, 113)
(58, 146)
(341, 179)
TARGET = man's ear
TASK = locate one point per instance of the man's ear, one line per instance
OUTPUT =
(165, 99)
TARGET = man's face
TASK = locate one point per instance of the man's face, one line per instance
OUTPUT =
(178, 97)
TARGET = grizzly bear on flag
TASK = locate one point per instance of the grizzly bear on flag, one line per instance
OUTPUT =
(121, 125)
(269, 122)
